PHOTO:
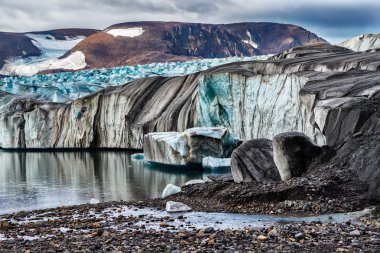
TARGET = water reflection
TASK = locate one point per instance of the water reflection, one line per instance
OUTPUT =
(33, 180)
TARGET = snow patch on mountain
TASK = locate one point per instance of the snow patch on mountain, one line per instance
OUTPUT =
(250, 41)
(128, 32)
(362, 42)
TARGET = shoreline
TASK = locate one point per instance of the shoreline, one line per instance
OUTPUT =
(119, 227)
(134, 226)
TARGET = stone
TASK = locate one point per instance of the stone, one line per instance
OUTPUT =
(355, 232)
(189, 147)
(273, 233)
(175, 207)
(262, 238)
(201, 233)
(299, 236)
(253, 161)
(292, 153)
(170, 189)
(221, 178)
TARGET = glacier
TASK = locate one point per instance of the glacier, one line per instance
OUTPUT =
(362, 43)
(67, 86)
(256, 99)
(51, 51)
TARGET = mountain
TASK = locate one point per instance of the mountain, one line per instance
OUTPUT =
(22, 49)
(362, 42)
(147, 42)
(143, 43)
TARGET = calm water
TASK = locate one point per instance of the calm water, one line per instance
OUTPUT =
(35, 180)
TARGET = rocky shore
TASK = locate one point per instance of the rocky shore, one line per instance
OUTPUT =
(108, 228)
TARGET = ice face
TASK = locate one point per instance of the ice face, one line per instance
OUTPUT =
(260, 106)
(67, 86)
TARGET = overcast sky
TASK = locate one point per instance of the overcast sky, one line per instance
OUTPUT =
(335, 20)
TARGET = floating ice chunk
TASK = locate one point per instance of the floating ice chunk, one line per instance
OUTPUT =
(189, 147)
(138, 156)
(94, 201)
(195, 181)
(127, 32)
(170, 189)
(212, 163)
(174, 207)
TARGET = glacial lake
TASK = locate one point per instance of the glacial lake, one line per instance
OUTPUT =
(37, 180)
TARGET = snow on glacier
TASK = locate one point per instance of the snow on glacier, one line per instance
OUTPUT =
(127, 32)
(74, 61)
(67, 86)
(51, 49)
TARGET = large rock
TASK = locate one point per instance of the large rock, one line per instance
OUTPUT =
(189, 147)
(292, 153)
(253, 161)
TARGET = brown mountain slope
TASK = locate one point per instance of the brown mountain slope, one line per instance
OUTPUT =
(174, 41)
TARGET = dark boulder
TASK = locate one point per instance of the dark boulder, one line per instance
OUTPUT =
(253, 161)
(292, 153)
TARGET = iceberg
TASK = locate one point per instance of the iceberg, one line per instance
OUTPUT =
(214, 163)
(138, 157)
(189, 147)
(170, 189)
(195, 181)
(174, 207)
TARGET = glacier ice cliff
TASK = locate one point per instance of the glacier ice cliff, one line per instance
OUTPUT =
(311, 89)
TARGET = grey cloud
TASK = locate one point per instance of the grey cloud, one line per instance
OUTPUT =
(332, 19)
